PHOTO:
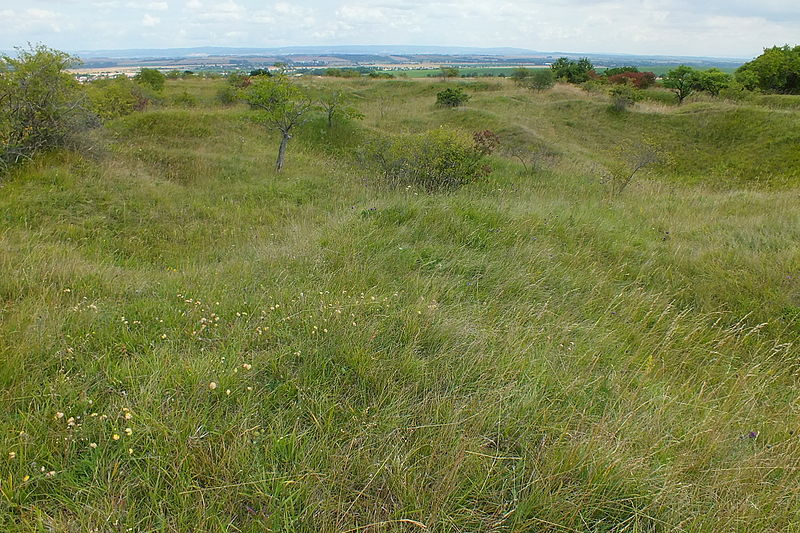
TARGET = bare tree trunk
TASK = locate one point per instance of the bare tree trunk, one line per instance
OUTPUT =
(282, 151)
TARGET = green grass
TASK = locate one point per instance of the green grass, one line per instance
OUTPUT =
(525, 354)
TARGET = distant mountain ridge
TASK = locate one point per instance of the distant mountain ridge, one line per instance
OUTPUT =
(384, 50)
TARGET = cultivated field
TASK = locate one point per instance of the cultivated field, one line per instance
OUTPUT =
(192, 342)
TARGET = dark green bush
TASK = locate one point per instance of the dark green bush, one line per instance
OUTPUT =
(452, 97)
(379, 74)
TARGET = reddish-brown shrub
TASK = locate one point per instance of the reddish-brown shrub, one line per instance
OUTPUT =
(486, 141)
(640, 80)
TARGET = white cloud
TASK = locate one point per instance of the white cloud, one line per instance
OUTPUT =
(150, 6)
(150, 21)
(33, 20)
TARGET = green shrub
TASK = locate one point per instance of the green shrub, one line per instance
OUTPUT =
(151, 78)
(452, 97)
(117, 97)
(595, 86)
(41, 104)
(623, 97)
(438, 160)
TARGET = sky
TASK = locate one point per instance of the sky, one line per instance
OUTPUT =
(717, 28)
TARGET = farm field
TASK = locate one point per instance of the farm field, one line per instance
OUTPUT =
(194, 342)
(480, 72)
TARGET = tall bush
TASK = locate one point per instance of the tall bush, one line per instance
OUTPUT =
(41, 104)
(776, 70)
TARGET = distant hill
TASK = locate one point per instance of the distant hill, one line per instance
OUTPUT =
(387, 50)
(302, 50)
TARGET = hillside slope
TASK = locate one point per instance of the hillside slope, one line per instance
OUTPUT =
(191, 342)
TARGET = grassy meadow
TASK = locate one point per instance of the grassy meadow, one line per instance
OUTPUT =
(192, 342)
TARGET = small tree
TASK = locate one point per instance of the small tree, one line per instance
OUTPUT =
(152, 78)
(449, 72)
(452, 97)
(713, 81)
(683, 81)
(573, 71)
(540, 79)
(337, 104)
(520, 75)
(281, 106)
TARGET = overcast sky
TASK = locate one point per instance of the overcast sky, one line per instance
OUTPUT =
(724, 28)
